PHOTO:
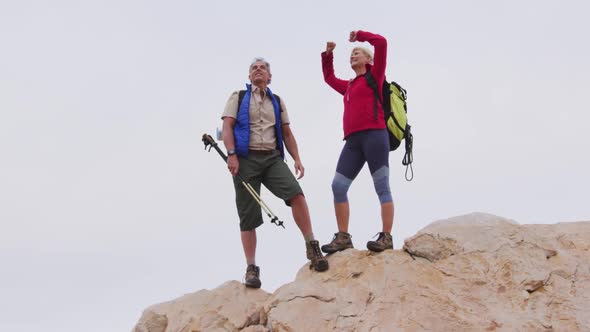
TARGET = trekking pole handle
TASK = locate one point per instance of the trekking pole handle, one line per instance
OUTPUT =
(209, 141)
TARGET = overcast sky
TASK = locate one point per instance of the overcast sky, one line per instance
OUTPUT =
(108, 203)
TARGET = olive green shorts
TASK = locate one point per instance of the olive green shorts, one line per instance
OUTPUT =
(267, 169)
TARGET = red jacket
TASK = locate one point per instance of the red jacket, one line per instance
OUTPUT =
(358, 96)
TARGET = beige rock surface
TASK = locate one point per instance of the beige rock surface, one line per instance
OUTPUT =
(229, 307)
(476, 272)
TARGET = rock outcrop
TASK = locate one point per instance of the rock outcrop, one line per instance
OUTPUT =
(476, 272)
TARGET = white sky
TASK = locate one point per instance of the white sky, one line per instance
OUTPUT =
(108, 203)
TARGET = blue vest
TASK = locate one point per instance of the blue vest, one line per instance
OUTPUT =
(242, 127)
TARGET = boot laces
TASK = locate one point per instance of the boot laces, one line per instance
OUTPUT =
(253, 268)
(315, 249)
(343, 236)
(381, 236)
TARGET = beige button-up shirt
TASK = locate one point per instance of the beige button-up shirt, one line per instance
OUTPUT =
(262, 118)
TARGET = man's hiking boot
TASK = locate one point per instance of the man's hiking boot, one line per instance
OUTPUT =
(318, 261)
(340, 242)
(252, 276)
(384, 241)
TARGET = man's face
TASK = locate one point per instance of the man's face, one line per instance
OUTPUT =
(259, 73)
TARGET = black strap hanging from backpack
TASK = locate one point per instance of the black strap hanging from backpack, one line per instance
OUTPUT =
(408, 156)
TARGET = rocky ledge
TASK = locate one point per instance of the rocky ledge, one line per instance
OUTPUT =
(476, 272)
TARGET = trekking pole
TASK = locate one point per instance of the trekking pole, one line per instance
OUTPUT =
(210, 142)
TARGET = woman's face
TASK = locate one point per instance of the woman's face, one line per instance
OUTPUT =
(358, 58)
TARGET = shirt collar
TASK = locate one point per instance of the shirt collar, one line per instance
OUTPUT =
(257, 90)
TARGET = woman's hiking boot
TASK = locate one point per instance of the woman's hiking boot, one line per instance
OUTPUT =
(384, 241)
(318, 261)
(252, 279)
(340, 242)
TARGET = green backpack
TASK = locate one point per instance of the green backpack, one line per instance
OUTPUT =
(396, 119)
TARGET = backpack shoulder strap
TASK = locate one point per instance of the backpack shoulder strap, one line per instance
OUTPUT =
(278, 101)
(373, 84)
(241, 95)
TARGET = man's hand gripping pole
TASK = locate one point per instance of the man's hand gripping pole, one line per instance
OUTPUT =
(210, 142)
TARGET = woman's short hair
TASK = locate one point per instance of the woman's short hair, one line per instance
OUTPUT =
(365, 50)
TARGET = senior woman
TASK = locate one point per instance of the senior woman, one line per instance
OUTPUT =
(366, 137)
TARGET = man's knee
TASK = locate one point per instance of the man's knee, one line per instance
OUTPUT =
(299, 197)
(249, 213)
(250, 225)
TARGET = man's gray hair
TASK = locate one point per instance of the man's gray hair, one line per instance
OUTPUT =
(260, 60)
(265, 63)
